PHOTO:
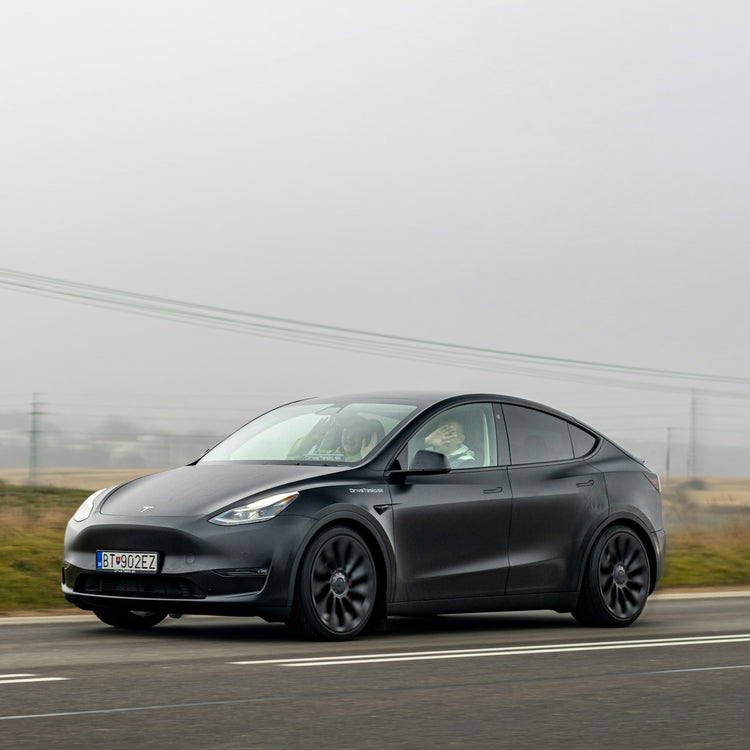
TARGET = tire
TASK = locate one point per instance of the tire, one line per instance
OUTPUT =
(130, 619)
(337, 587)
(616, 581)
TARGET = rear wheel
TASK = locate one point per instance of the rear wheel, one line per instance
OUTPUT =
(130, 619)
(616, 581)
(337, 586)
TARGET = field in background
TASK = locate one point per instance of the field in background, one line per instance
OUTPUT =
(705, 501)
(708, 531)
(707, 521)
(81, 479)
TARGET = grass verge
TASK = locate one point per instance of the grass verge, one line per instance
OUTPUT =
(32, 527)
(708, 557)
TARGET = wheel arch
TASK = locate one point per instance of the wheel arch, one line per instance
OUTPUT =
(635, 525)
(380, 549)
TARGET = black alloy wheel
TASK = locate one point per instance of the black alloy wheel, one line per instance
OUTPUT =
(130, 619)
(616, 581)
(337, 586)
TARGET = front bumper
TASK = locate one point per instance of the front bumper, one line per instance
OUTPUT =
(203, 568)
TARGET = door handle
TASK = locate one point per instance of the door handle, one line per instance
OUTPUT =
(585, 484)
(494, 489)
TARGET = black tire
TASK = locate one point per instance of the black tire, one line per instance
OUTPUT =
(616, 581)
(337, 587)
(130, 619)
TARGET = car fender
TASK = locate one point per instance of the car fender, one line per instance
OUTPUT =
(356, 518)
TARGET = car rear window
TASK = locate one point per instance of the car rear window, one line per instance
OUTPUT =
(535, 436)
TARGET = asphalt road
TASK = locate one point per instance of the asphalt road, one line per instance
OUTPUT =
(678, 678)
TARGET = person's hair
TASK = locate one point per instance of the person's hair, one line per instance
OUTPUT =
(376, 426)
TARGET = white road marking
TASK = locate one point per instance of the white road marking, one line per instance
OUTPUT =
(12, 679)
(702, 669)
(699, 595)
(556, 648)
(549, 648)
(160, 707)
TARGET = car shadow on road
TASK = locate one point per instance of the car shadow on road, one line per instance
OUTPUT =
(477, 623)
(253, 629)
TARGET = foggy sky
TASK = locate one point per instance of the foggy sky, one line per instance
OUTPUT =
(559, 178)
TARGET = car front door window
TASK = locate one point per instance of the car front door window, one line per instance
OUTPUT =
(465, 434)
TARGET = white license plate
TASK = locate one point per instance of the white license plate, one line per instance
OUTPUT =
(127, 562)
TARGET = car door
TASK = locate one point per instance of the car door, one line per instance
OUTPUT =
(451, 530)
(558, 499)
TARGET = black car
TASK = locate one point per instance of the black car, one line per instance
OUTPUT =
(331, 514)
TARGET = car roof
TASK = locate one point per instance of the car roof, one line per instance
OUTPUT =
(425, 399)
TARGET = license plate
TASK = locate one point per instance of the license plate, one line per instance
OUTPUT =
(127, 562)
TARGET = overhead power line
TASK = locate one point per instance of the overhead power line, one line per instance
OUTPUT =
(351, 339)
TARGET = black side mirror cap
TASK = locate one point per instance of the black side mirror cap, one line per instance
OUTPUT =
(429, 462)
(424, 463)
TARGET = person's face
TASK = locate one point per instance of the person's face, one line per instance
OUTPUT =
(351, 440)
(451, 436)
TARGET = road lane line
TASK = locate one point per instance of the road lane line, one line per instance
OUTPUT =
(523, 652)
(32, 679)
(500, 651)
(130, 709)
(702, 669)
(699, 595)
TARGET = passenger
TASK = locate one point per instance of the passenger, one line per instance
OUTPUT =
(359, 437)
(348, 439)
(448, 438)
(313, 442)
(375, 433)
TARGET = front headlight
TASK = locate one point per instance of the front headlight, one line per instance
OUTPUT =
(84, 510)
(258, 510)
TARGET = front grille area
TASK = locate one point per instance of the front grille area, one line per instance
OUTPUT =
(138, 586)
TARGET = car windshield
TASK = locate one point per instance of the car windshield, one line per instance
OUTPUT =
(313, 432)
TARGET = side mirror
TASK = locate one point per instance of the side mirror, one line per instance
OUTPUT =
(429, 462)
(423, 463)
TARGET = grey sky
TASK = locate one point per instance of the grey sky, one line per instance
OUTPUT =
(559, 178)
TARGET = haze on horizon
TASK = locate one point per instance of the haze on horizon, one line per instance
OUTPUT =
(561, 179)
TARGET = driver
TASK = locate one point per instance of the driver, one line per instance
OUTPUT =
(448, 438)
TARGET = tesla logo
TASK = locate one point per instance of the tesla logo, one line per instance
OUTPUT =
(146, 507)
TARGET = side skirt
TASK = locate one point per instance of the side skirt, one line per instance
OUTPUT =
(560, 602)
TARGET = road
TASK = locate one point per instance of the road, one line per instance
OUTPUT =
(678, 678)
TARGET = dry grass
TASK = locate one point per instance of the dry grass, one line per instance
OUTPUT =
(713, 557)
(32, 526)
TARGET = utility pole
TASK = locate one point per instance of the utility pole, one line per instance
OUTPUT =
(669, 449)
(691, 436)
(35, 434)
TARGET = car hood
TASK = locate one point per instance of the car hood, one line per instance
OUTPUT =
(204, 488)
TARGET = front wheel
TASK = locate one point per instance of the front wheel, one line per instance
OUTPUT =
(337, 586)
(130, 619)
(616, 581)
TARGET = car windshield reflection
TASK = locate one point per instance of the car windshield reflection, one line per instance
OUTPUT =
(343, 433)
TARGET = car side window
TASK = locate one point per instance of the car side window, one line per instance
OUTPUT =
(466, 434)
(583, 442)
(535, 436)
